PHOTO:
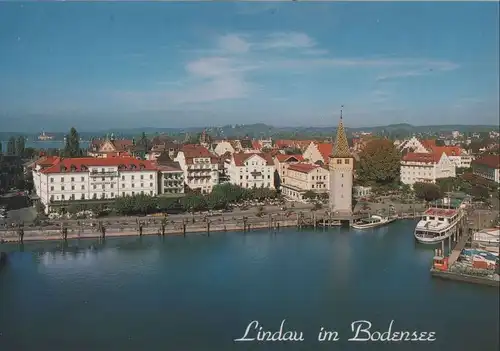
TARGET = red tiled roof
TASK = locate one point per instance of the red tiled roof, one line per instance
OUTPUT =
(256, 145)
(82, 164)
(240, 158)
(428, 143)
(46, 161)
(285, 158)
(303, 167)
(422, 157)
(491, 161)
(325, 149)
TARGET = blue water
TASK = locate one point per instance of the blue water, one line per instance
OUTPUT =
(200, 293)
(45, 144)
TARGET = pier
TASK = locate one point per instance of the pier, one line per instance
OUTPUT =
(443, 265)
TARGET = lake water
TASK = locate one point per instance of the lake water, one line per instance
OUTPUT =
(49, 144)
(200, 293)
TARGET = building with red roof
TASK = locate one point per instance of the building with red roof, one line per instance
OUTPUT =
(200, 167)
(251, 170)
(425, 167)
(303, 177)
(318, 153)
(487, 167)
(282, 161)
(59, 181)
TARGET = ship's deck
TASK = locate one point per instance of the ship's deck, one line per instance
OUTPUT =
(440, 212)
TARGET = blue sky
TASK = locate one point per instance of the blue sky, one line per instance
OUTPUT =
(104, 65)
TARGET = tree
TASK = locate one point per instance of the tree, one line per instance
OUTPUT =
(20, 144)
(479, 192)
(72, 147)
(193, 202)
(309, 195)
(11, 146)
(427, 191)
(277, 180)
(379, 163)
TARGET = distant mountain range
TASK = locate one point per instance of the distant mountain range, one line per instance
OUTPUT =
(261, 130)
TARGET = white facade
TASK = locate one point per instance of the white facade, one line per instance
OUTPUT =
(92, 182)
(222, 147)
(171, 181)
(251, 170)
(201, 172)
(300, 178)
(413, 145)
(421, 167)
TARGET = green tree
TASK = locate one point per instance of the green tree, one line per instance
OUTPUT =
(310, 195)
(20, 145)
(379, 163)
(11, 146)
(427, 191)
(480, 192)
(216, 201)
(193, 202)
(277, 180)
(72, 147)
(124, 205)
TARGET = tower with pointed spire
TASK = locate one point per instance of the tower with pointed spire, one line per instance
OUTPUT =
(341, 167)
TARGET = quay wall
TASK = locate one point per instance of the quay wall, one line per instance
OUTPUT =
(200, 228)
(465, 278)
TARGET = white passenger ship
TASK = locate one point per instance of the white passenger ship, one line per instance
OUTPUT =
(438, 224)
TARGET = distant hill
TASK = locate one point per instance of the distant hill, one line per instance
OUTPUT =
(261, 130)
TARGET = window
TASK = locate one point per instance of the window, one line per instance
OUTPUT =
(62, 179)
(112, 194)
(150, 185)
(62, 197)
(72, 196)
(142, 177)
(72, 187)
(72, 179)
(83, 179)
(123, 177)
(132, 177)
(62, 187)
(112, 185)
(133, 193)
(133, 185)
(346, 161)
(142, 185)
(339, 162)
(342, 175)
(103, 186)
(268, 176)
(123, 193)
(51, 188)
(51, 197)
(52, 180)
(103, 179)
(241, 177)
(83, 187)
(102, 170)
(95, 186)
(150, 176)
(83, 197)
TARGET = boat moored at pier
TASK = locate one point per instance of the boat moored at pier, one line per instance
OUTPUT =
(372, 222)
(438, 224)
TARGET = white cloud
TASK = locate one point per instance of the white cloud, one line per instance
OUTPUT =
(290, 40)
(233, 43)
(223, 73)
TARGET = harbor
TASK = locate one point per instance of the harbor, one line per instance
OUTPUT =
(466, 254)
(106, 289)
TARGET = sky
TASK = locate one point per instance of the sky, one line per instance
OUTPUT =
(98, 66)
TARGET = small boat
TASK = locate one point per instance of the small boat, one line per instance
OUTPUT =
(372, 222)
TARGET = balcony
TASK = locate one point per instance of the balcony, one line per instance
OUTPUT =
(104, 174)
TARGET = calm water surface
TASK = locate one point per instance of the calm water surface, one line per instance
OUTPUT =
(200, 293)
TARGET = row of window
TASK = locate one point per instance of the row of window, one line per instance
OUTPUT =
(254, 186)
(103, 186)
(103, 178)
(255, 177)
(94, 196)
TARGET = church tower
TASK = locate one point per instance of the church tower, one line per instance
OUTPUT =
(341, 167)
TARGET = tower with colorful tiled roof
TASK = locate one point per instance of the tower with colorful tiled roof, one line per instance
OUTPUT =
(341, 166)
